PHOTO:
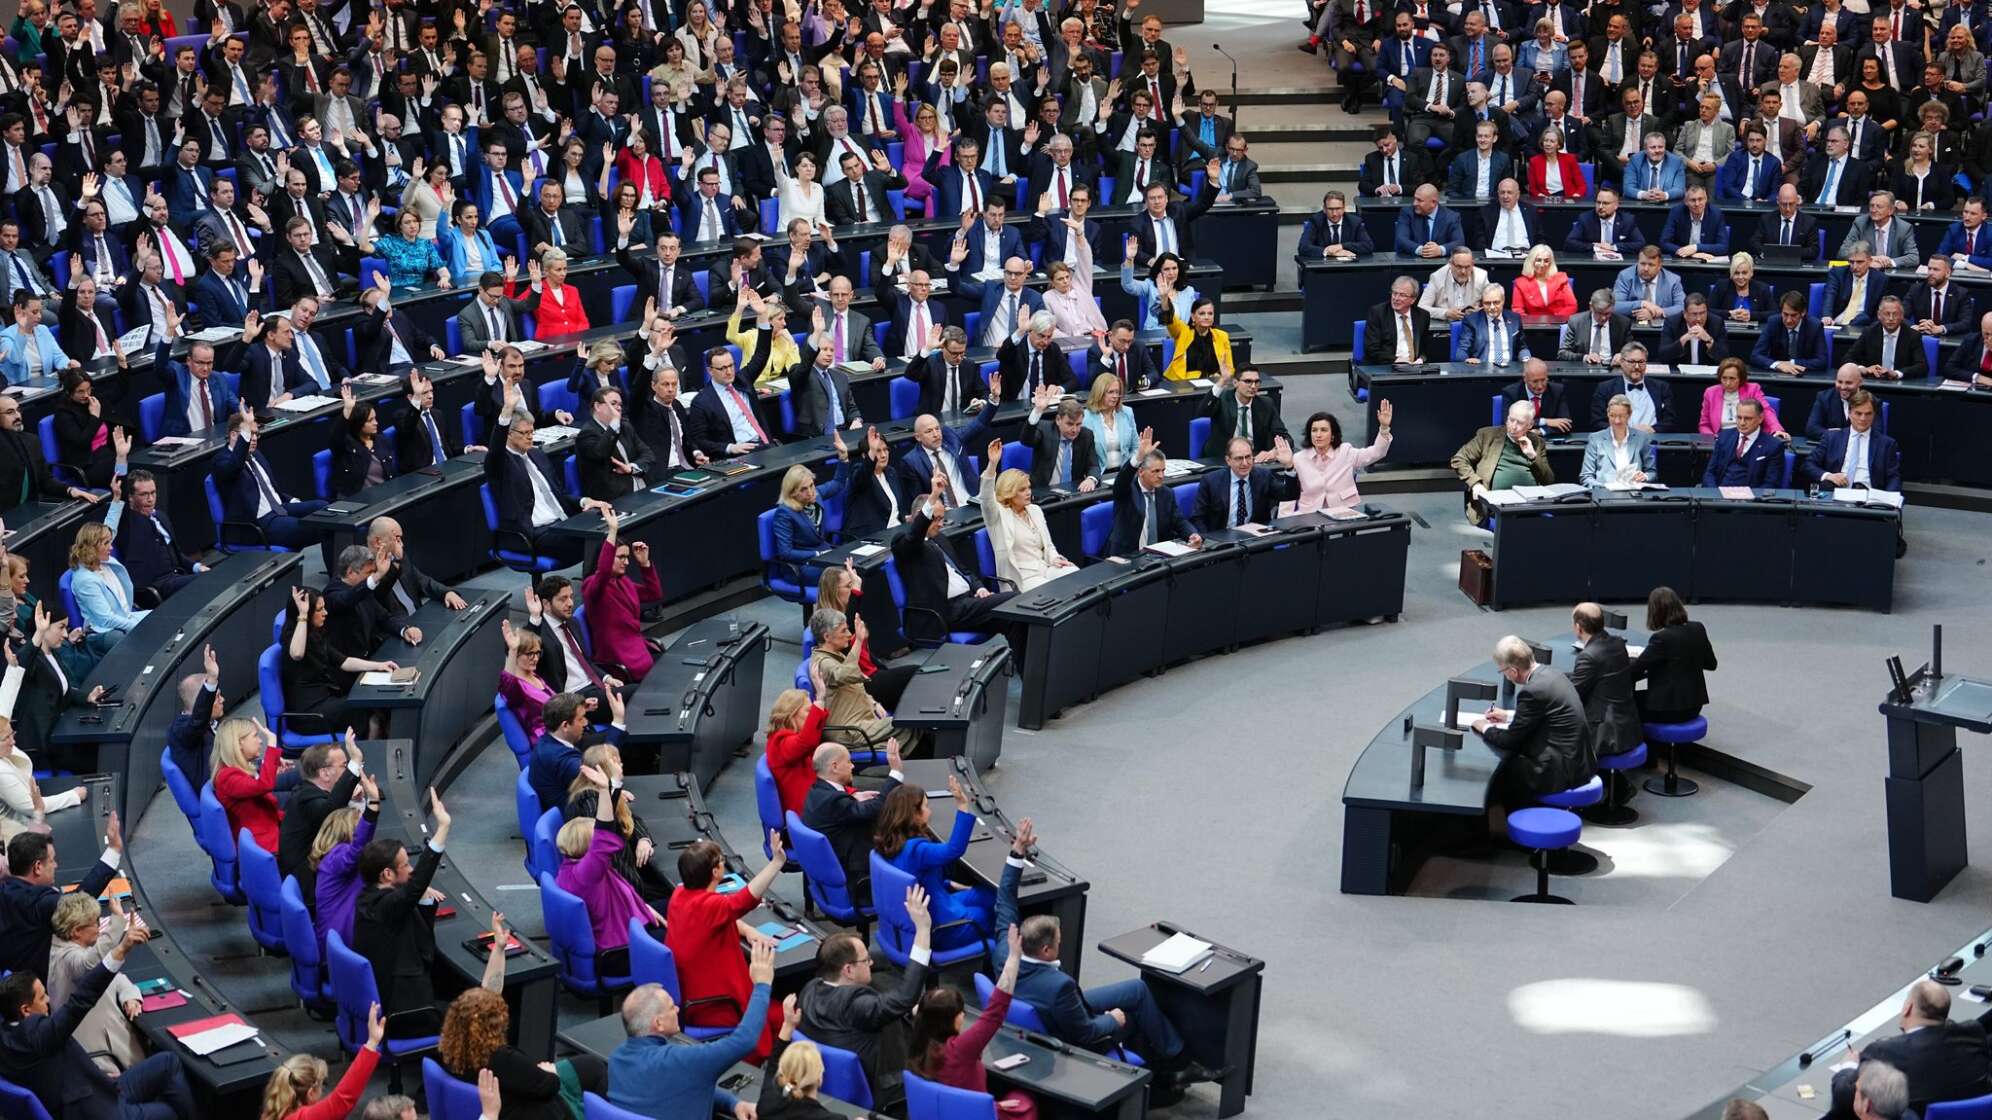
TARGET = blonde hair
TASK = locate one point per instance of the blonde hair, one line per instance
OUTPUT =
(337, 829)
(793, 481)
(1096, 398)
(605, 351)
(575, 836)
(1742, 260)
(1011, 483)
(290, 1088)
(529, 641)
(228, 745)
(1538, 254)
(781, 717)
(801, 1071)
(603, 757)
(83, 553)
(72, 912)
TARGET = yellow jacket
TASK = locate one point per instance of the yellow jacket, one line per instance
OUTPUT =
(784, 356)
(1180, 333)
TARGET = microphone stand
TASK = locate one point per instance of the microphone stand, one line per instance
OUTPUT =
(1219, 48)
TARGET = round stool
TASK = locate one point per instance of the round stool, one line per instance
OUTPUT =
(1543, 830)
(1567, 862)
(1614, 811)
(1672, 735)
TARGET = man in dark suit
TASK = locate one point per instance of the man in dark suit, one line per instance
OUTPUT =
(358, 619)
(1546, 397)
(1393, 170)
(1236, 409)
(249, 492)
(549, 225)
(1889, 348)
(1385, 341)
(727, 418)
(1064, 455)
(1605, 224)
(820, 391)
(1510, 221)
(844, 819)
(1243, 493)
(1029, 359)
(1901, 62)
(565, 661)
(1545, 740)
(1856, 454)
(1693, 336)
(388, 341)
(1938, 307)
(937, 450)
(613, 461)
(1602, 676)
(1829, 410)
(1145, 511)
(1652, 401)
(528, 492)
(1943, 1059)
(24, 472)
(1793, 343)
(662, 276)
(1746, 455)
(1117, 354)
(305, 269)
(144, 540)
(395, 933)
(859, 196)
(328, 773)
(404, 587)
(1164, 226)
(662, 421)
(422, 438)
(28, 897)
(273, 372)
(1846, 177)
(1334, 233)
(929, 569)
(1789, 225)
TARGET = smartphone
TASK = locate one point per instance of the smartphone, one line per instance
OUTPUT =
(1011, 1062)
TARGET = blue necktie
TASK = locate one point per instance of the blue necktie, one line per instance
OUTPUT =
(1238, 510)
(435, 438)
(830, 394)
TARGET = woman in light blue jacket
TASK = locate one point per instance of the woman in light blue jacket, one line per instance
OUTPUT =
(451, 238)
(49, 359)
(1167, 265)
(102, 587)
(1617, 453)
(1111, 422)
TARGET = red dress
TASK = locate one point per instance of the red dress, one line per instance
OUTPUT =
(251, 800)
(789, 759)
(698, 926)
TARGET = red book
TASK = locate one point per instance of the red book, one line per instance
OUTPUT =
(184, 1030)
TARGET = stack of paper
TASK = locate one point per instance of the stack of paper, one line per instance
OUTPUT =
(1697, 371)
(1549, 493)
(867, 551)
(1468, 711)
(553, 433)
(216, 334)
(1177, 954)
(1859, 495)
(134, 340)
(310, 403)
(1170, 548)
(1737, 493)
(1502, 497)
(217, 1038)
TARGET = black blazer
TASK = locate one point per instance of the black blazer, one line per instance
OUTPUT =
(308, 808)
(1380, 335)
(512, 489)
(1555, 405)
(1804, 232)
(75, 428)
(1672, 665)
(1550, 738)
(1125, 539)
(1661, 394)
(42, 699)
(41, 1055)
(1263, 488)
(1222, 408)
(923, 567)
(149, 557)
(1043, 439)
(24, 475)
(352, 461)
(538, 229)
(357, 619)
(374, 345)
(844, 820)
(931, 371)
(654, 428)
(1672, 352)
(411, 439)
(595, 445)
(25, 910)
(1909, 358)
(1602, 676)
(398, 937)
(1946, 1062)
(865, 506)
(294, 280)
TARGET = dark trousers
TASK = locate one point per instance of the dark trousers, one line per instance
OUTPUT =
(972, 612)
(156, 1089)
(563, 551)
(166, 585)
(1658, 715)
(888, 684)
(1149, 1031)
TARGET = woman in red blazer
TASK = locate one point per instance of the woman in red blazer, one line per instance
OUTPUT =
(557, 306)
(245, 770)
(1541, 289)
(639, 165)
(1569, 177)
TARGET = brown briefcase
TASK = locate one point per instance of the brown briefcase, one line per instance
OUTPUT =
(1476, 575)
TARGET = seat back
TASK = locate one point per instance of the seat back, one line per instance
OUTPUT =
(220, 844)
(526, 806)
(63, 584)
(931, 1100)
(1020, 1014)
(652, 962)
(1096, 526)
(1453, 352)
(264, 888)
(823, 872)
(1356, 350)
(1017, 456)
(321, 474)
(182, 790)
(46, 430)
(573, 938)
(307, 973)
(449, 1098)
(596, 1107)
(151, 416)
(843, 1074)
(903, 393)
(767, 802)
(895, 925)
(1199, 435)
(17, 1103)
(546, 847)
(514, 732)
(352, 987)
(1976, 1108)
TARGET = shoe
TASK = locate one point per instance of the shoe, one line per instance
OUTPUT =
(1163, 1092)
(1194, 1071)
(1309, 46)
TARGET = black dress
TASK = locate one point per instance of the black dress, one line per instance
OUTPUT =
(648, 879)
(78, 446)
(316, 686)
(528, 1092)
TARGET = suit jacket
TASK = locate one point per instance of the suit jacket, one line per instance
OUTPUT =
(1044, 440)
(512, 489)
(1602, 676)
(1804, 232)
(474, 329)
(1672, 665)
(1910, 361)
(840, 203)
(811, 401)
(1354, 236)
(1898, 241)
(595, 445)
(1476, 337)
(1170, 524)
(1839, 294)
(1761, 466)
(1946, 1062)
(1884, 457)
(294, 279)
(1222, 408)
(1555, 402)
(538, 228)
(1601, 461)
(262, 381)
(1462, 178)
(1476, 461)
(844, 820)
(1210, 506)
(1550, 737)
(1490, 220)
(1714, 231)
(916, 466)
(711, 429)
(1183, 218)
(1730, 177)
(1413, 166)
(1958, 312)
(40, 1055)
(1576, 340)
(1588, 230)
(1380, 334)
(308, 808)
(1670, 176)
(1444, 229)
(923, 567)
(376, 349)
(1851, 189)
(1671, 351)
(397, 936)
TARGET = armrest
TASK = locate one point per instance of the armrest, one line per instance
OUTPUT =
(250, 527)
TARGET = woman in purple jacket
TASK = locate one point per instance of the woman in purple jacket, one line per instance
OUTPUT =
(588, 849)
(335, 856)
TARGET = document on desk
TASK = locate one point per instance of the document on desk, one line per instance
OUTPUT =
(1157, 392)
(308, 403)
(1503, 498)
(1619, 485)
(1344, 513)
(867, 551)
(176, 441)
(529, 346)
(465, 360)
(217, 334)
(1694, 370)
(1858, 495)
(1176, 468)
(1549, 493)
(216, 1038)
(1468, 711)
(552, 433)
(1737, 493)
(1953, 385)
(1176, 955)
(1169, 548)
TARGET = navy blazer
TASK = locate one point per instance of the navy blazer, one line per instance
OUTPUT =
(916, 466)
(902, 317)
(1884, 457)
(1211, 505)
(220, 302)
(1476, 336)
(946, 182)
(41, 1055)
(797, 538)
(1840, 289)
(1656, 389)
(1462, 176)
(512, 490)
(1411, 231)
(180, 391)
(237, 485)
(183, 202)
(86, 251)
(1804, 233)
(1773, 346)
(258, 377)
(555, 765)
(1009, 244)
(1587, 231)
(1314, 236)
(1672, 352)
(1049, 990)
(1736, 168)
(1125, 539)
(1764, 466)
(1722, 299)
(1715, 231)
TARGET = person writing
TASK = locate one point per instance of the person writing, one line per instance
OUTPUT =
(1544, 741)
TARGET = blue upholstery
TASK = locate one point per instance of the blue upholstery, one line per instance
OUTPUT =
(270, 690)
(1096, 527)
(1690, 732)
(652, 962)
(823, 875)
(573, 941)
(556, 395)
(1356, 355)
(68, 594)
(528, 562)
(985, 554)
(931, 1100)
(1024, 1016)
(448, 1097)
(152, 414)
(622, 297)
(46, 429)
(1576, 797)
(1500, 413)
(895, 926)
(1453, 352)
(182, 790)
(1016, 456)
(570, 470)
(353, 987)
(843, 1074)
(467, 424)
(265, 890)
(1199, 435)
(546, 842)
(525, 803)
(452, 335)
(1625, 760)
(1544, 828)
(1976, 1108)
(904, 393)
(220, 844)
(514, 732)
(595, 1107)
(307, 966)
(925, 637)
(248, 539)
(1815, 299)
(777, 577)
(767, 802)
(17, 1103)
(321, 474)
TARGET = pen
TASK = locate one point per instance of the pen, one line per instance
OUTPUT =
(1205, 966)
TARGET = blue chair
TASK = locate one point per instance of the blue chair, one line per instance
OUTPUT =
(1976, 1108)
(570, 469)
(68, 595)
(1360, 392)
(594, 1107)
(17, 1103)
(270, 690)
(556, 395)
(1543, 830)
(771, 216)
(525, 803)
(933, 623)
(1453, 352)
(449, 1098)
(823, 877)
(1199, 436)
(931, 1100)
(371, 268)
(843, 1074)
(527, 561)
(904, 394)
(514, 732)
(573, 943)
(307, 965)
(226, 877)
(652, 962)
(782, 580)
(1500, 413)
(353, 987)
(265, 890)
(452, 335)
(1815, 299)
(1096, 527)
(985, 555)
(546, 842)
(1774, 402)
(1025, 1016)
(1576, 797)
(895, 926)
(218, 514)
(622, 297)
(1929, 360)
(1017, 456)
(1671, 735)
(467, 424)
(1613, 810)
(321, 473)
(152, 414)
(182, 790)
(767, 803)
(62, 472)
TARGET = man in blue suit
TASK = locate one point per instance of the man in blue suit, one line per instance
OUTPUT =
(272, 370)
(499, 193)
(1243, 493)
(1794, 344)
(980, 248)
(1646, 292)
(196, 400)
(1333, 233)
(1096, 1019)
(224, 300)
(1853, 291)
(1493, 335)
(1605, 225)
(1750, 174)
(962, 189)
(556, 760)
(188, 186)
(1658, 175)
(1695, 229)
(1427, 229)
(1004, 305)
(937, 449)
(1144, 509)
(1746, 455)
(1404, 52)
(1855, 455)
(1967, 239)
(1475, 174)
(102, 252)
(706, 214)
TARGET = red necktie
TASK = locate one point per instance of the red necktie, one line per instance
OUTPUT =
(1155, 98)
(574, 647)
(748, 411)
(1535, 402)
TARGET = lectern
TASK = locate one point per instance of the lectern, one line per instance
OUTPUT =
(1926, 779)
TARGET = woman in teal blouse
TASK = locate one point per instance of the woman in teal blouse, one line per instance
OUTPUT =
(410, 260)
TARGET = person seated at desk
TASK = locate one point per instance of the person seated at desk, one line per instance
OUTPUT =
(590, 847)
(1942, 1059)
(1491, 335)
(1645, 292)
(1967, 242)
(792, 1077)
(1545, 397)
(1326, 469)
(557, 308)
(1602, 676)
(528, 500)
(49, 686)
(317, 674)
(944, 1048)
(938, 587)
(404, 587)
(1063, 452)
(28, 348)
(1427, 229)
(1694, 337)
(1853, 291)
(652, 1078)
(704, 928)
(613, 460)
(23, 806)
(1542, 289)
(1695, 230)
(1829, 410)
(1203, 349)
(799, 529)
(842, 1005)
(725, 421)
(1502, 458)
(1454, 289)
(615, 600)
(1676, 656)
(1937, 307)
(1145, 511)
(768, 350)
(1070, 300)
(82, 939)
(190, 737)
(1168, 270)
(1510, 222)
(1892, 240)
(359, 457)
(1026, 556)
(1111, 421)
(1788, 225)
(1595, 338)
(567, 666)
(394, 926)
(473, 1040)
(249, 491)
(1794, 345)
(794, 731)
(1332, 234)
(1855, 455)
(421, 438)
(520, 683)
(1618, 452)
(1236, 409)
(1544, 741)
(330, 775)
(1744, 298)
(83, 441)
(904, 836)
(1553, 171)
(1396, 329)
(1244, 493)
(1476, 172)
(1605, 233)
(359, 618)
(1749, 173)
(144, 537)
(1889, 349)
(1721, 400)
(39, 1052)
(102, 587)
(247, 771)
(1099, 1018)
(1746, 455)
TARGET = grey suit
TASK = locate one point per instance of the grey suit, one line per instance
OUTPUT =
(1968, 68)
(1810, 101)
(860, 344)
(1722, 137)
(1601, 464)
(1900, 237)
(474, 327)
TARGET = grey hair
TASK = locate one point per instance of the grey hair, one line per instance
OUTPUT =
(1631, 348)
(390, 1107)
(1861, 247)
(1601, 300)
(354, 556)
(552, 255)
(1043, 321)
(823, 622)
(642, 1005)
(1523, 408)
(1619, 400)
(1885, 1087)
(1513, 653)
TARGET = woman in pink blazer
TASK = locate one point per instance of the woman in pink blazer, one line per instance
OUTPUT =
(1327, 467)
(615, 601)
(921, 134)
(1719, 400)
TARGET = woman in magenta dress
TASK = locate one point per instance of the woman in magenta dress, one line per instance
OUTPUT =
(519, 681)
(615, 599)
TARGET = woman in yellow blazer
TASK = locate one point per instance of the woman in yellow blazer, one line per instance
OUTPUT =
(767, 352)
(1202, 349)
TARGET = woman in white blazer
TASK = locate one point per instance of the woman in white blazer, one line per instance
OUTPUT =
(1112, 423)
(1617, 452)
(23, 807)
(99, 581)
(1025, 554)
(77, 948)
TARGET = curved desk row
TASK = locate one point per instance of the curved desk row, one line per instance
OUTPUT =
(228, 1083)
(458, 664)
(41, 533)
(229, 607)
(1779, 546)
(700, 701)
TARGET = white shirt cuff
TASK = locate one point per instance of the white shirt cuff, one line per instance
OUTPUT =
(620, 726)
(353, 766)
(111, 963)
(921, 954)
(373, 581)
(1015, 860)
(435, 846)
(111, 858)
(897, 776)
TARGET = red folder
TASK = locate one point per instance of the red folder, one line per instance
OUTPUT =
(184, 1030)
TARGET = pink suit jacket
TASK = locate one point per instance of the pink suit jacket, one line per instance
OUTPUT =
(1711, 417)
(615, 612)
